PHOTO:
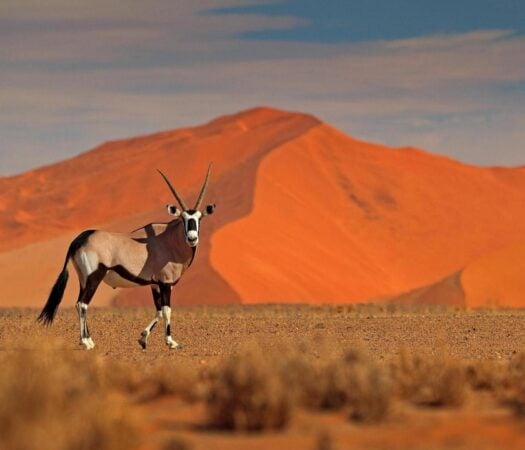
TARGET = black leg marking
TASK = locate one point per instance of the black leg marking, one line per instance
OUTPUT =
(143, 340)
(84, 297)
(155, 290)
(86, 325)
(165, 292)
(93, 281)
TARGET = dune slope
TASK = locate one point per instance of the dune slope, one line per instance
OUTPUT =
(115, 187)
(304, 213)
(493, 280)
(336, 219)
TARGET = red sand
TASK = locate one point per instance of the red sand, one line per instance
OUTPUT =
(304, 213)
(496, 279)
(336, 219)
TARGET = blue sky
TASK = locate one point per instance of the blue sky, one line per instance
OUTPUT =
(341, 21)
(447, 76)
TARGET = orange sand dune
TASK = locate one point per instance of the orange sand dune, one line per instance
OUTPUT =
(118, 179)
(493, 280)
(496, 279)
(336, 219)
(115, 187)
(305, 213)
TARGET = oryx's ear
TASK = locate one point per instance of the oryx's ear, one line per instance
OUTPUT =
(209, 210)
(173, 210)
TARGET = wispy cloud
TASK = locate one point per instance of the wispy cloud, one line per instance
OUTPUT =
(74, 74)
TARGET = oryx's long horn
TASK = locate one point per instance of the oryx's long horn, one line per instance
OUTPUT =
(172, 189)
(203, 190)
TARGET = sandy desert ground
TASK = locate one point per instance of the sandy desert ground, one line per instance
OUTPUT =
(305, 377)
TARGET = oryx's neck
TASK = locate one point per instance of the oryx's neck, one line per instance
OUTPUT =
(176, 241)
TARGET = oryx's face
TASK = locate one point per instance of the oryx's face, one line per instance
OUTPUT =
(192, 221)
(190, 217)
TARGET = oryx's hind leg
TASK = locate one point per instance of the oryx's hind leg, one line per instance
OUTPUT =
(143, 340)
(165, 292)
(87, 291)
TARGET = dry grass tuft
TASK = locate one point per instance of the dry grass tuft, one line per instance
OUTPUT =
(514, 397)
(487, 375)
(369, 393)
(352, 381)
(248, 392)
(430, 380)
(360, 384)
(53, 399)
(177, 443)
(154, 381)
(324, 441)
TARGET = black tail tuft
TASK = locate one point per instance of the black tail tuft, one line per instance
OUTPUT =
(55, 297)
(57, 292)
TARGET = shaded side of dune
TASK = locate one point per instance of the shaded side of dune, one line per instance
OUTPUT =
(496, 279)
(236, 145)
(448, 291)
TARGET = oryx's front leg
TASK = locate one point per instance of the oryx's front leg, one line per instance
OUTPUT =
(143, 341)
(166, 313)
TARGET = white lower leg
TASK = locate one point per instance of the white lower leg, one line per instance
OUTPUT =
(166, 312)
(85, 339)
(81, 322)
(147, 331)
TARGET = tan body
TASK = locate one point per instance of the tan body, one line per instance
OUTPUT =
(156, 253)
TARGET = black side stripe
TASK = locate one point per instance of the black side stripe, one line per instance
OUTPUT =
(127, 275)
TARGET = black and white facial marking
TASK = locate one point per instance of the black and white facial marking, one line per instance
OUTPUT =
(192, 221)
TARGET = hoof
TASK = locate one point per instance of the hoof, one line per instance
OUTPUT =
(174, 345)
(87, 343)
(142, 344)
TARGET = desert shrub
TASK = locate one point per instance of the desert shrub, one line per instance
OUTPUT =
(517, 400)
(514, 395)
(516, 369)
(170, 379)
(349, 380)
(486, 375)
(166, 379)
(430, 380)
(155, 380)
(52, 399)
(369, 393)
(248, 392)
(299, 373)
(324, 441)
(176, 443)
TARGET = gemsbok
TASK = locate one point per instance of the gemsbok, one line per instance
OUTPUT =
(157, 254)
